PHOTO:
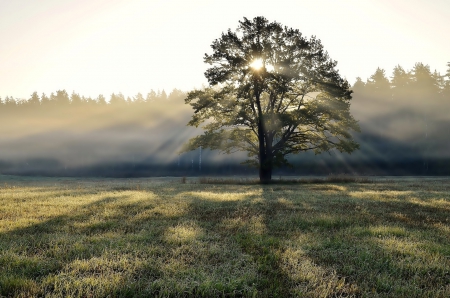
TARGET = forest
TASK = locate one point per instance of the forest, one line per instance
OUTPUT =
(403, 116)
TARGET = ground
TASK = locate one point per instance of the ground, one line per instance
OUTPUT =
(169, 237)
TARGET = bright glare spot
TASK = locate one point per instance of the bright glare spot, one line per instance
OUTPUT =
(269, 68)
(257, 64)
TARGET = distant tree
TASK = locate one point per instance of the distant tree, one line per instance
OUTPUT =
(359, 85)
(446, 89)
(400, 78)
(424, 89)
(378, 84)
(34, 99)
(162, 95)
(101, 100)
(440, 83)
(88, 100)
(176, 94)
(400, 84)
(272, 93)
(139, 98)
(425, 98)
(151, 96)
(44, 99)
(447, 75)
(423, 80)
(21, 102)
(75, 99)
(62, 97)
(10, 102)
(117, 99)
(53, 99)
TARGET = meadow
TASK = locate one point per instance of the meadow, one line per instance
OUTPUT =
(156, 237)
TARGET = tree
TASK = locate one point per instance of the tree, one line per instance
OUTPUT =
(162, 95)
(401, 81)
(44, 99)
(62, 97)
(101, 100)
(176, 95)
(117, 99)
(10, 102)
(359, 88)
(378, 84)
(446, 91)
(424, 81)
(34, 99)
(359, 85)
(75, 99)
(52, 98)
(89, 100)
(139, 98)
(271, 93)
(425, 90)
(151, 96)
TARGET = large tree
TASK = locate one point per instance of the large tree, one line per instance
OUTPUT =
(271, 93)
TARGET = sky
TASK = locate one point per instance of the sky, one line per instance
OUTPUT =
(97, 47)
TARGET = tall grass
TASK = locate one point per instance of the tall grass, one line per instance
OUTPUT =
(163, 238)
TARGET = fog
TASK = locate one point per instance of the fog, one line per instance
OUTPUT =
(404, 119)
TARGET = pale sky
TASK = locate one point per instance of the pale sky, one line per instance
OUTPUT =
(97, 47)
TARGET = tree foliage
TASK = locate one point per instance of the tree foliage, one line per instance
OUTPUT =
(294, 101)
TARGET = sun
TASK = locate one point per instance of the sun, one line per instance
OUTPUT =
(257, 64)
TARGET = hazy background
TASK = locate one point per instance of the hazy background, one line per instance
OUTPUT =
(110, 79)
(404, 119)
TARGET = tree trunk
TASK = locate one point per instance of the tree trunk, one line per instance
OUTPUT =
(265, 172)
(265, 162)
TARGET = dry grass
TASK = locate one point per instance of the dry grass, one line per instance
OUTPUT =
(162, 238)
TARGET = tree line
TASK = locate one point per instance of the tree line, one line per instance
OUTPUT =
(418, 86)
(404, 118)
(418, 96)
(62, 98)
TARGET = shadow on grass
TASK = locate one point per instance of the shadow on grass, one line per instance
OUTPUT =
(236, 241)
(387, 244)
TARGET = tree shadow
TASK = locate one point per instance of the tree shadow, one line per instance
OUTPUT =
(130, 224)
(231, 240)
(382, 245)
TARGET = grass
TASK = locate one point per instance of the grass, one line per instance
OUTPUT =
(340, 178)
(196, 238)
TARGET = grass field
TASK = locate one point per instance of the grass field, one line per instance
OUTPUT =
(62, 237)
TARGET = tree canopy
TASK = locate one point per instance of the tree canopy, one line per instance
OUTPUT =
(272, 92)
